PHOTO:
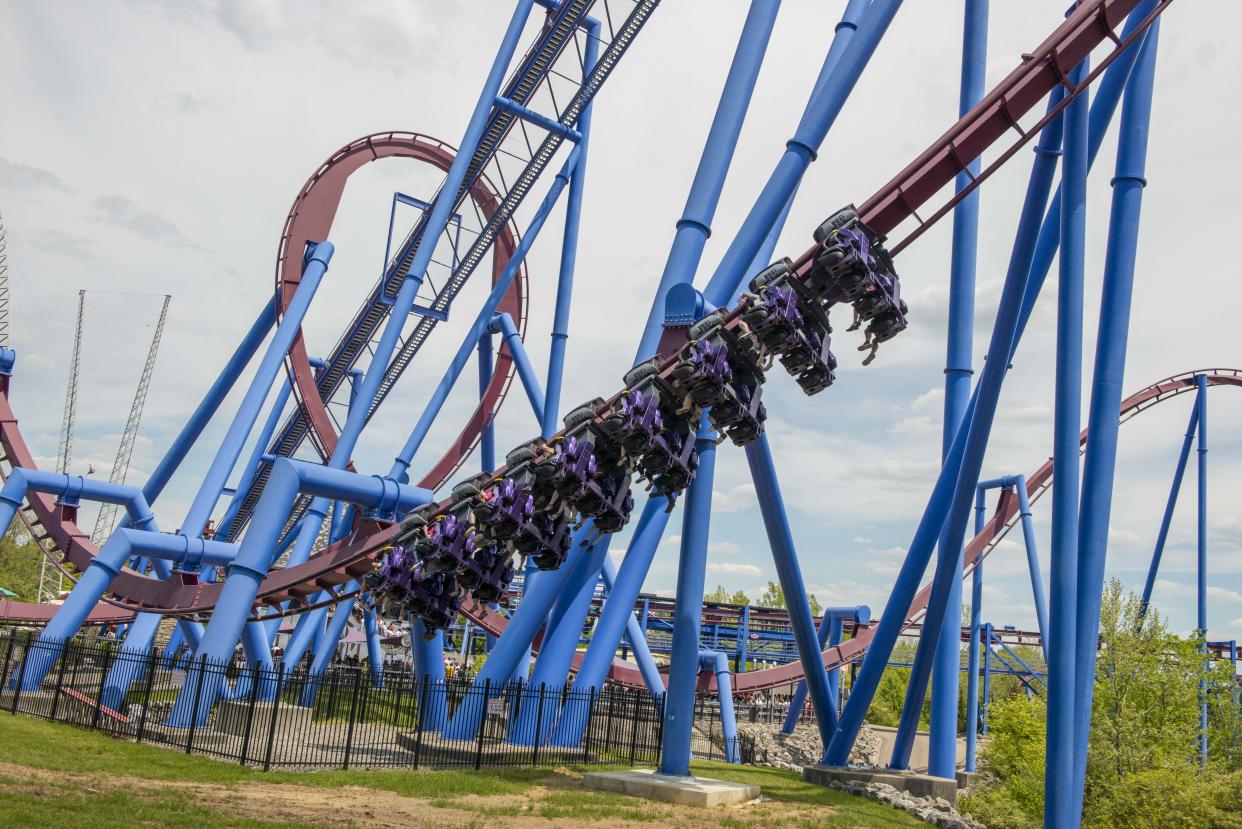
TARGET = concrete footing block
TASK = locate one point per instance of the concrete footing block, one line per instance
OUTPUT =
(919, 785)
(691, 791)
(231, 716)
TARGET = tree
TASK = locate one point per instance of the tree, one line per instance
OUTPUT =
(774, 596)
(20, 559)
(1141, 758)
(722, 596)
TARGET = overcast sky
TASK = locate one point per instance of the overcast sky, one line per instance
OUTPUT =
(155, 147)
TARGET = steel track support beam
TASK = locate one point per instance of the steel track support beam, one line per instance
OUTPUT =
(981, 411)
(1059, 807)
(1112, 339)
(1170, 507)
(942, 749)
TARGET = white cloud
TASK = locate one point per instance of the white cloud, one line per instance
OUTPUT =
(733, 568)
(741, 497)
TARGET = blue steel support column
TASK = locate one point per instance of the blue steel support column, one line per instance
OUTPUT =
(693, 228)
(942, 748)
(743, 637)
(481, 325)
(402, 304)
(1110, 360)
(830, 631)
(503, 324)
(695, 224)
(519, 633)
(1059, 800)
(487, 441)
(1169, 508)
(1201, 533)
(316, 265)
(800, 151)
(256, 456)
(966, 454)
(375, 652)
(687, 614)
(557, 651)
(718, 663)
(1032, 561)
(569, 254)
(785, 557)
(972, 660)
(842, 34)
(429, 669)
(256, 552)
(987, 674)
(325, 648)
(635, 632)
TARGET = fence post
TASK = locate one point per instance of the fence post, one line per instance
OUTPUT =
(8, 655)
(590, 715)
(422, 708)
(21, 673)
(109, 659)
(198, 693)
(60, 681)
(538, 722)
(612, 698)
(353, 711)
(146, 694)
(660, 727)
(634, 731)
(396, 708)
(478, 749)
(279, 667)
(254, 696)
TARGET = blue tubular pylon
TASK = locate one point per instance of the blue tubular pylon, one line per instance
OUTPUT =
(526, 621)
(1100, 461)
(823, 109)
(503, 324)
(635, 635)
(557, 651)
(325, 648)
(487, 439)
(718, 664)
(441, 209)
(551, 404)
(844, 32)
(1032, 562)
(1201, 544)
(693, 228)
(480, 327)
(1059, 806)
(972, 658)
(785, 557)
(831, 628)
(980, 414)
(289, 478)
(316, 265)
(1103, 106)
(683, 669)
(428, 654)
(256, 457)
(942, 744)
(695, 224)
(1154, 569)
(375, 650)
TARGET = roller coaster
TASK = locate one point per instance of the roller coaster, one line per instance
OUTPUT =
(305, 535)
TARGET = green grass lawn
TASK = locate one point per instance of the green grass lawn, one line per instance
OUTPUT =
(95, 797)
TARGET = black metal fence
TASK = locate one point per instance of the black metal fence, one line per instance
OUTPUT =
(344, 718)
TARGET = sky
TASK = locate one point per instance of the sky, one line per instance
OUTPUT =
(155, 147)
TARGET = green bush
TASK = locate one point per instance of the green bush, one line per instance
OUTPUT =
(1142, 766)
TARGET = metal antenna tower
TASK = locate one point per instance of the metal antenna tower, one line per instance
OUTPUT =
(120, 467)
(4, 288)
(51, 580)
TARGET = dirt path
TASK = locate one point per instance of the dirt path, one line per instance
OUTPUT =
(345, 806)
